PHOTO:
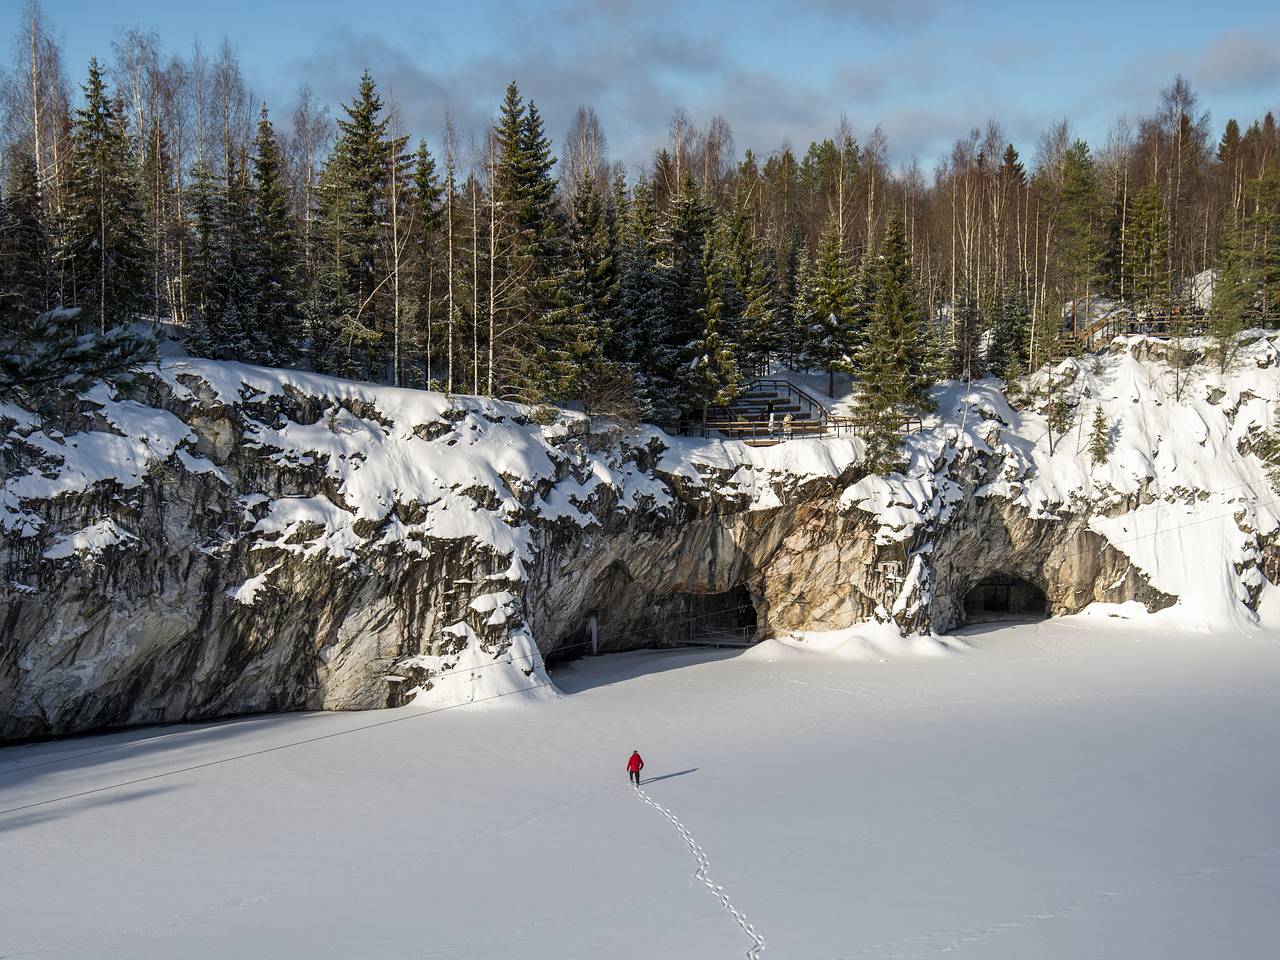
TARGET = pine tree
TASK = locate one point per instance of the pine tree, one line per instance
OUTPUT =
(1232, 297)
(892, 381)
(709, 376)
(204, 206)
(233, 313)
(352, 203)
(1007, 343)
(25, 267)
(756, 339)
(1099, 437)
(426, 214)
(1147, 259)
(681, 244)
(104, 254)
(835, 328)
(1080, 243)
(1264, 272)
(275, 244)
(45, 356)
(545, 324)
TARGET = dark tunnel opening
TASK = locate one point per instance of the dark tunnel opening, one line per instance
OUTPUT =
(1001, 596)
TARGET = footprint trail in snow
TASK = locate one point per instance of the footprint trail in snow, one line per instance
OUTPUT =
(704, 865)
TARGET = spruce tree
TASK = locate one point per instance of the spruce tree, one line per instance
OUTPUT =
(352, 205)
(757, 335)
(1232, 297)
(104, 254)
(1147, 260)
(46, 356)
(892, 382)
(25, 267)
(801, 308)
(835, 318)
(204, 208)
(681, 245)
(1264, 271)
(426, 214)
(1080, 242)
(546, 325)
(1099, 437)
(233, 313)
(1006, 345)
(709, 376)
(275, 244)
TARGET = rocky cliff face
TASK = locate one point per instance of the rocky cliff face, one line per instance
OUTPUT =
(229, 539)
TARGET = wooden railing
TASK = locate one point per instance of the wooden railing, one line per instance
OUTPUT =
(1176, 322)
(791, 392)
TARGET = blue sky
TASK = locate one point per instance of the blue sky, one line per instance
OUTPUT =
(925, 70)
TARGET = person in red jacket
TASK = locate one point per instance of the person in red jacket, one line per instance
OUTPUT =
(634, 766)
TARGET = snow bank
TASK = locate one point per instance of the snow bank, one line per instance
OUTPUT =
(873, 641)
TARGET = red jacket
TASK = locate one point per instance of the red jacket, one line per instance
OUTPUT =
(635, 764)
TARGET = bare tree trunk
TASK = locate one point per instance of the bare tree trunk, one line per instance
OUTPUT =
(450, 164)
(475, 289)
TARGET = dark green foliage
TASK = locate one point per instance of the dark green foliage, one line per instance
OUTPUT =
(835, 317)
(1232, 295)
(709, 374)
(1148, 254)
(1099, 437)
(233, 310)
(45, 356)
(677, 321)
(1007, 343)
(104, 251)
(757, 337)
(893, 380)
(352, 204)
(1264, 272)
(1080, 229)
(275, 245)
(25, 252)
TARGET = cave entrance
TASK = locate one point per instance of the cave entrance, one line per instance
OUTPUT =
(633, 619)
(1001, 596)
(717, 620)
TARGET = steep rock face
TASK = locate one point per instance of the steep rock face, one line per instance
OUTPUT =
(230, 539)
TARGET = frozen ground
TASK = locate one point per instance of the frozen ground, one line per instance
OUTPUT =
(1065, 790)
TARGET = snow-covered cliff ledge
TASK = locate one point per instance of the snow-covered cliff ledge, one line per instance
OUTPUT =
(229, 538)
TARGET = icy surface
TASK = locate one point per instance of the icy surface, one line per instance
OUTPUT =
(1091, 787)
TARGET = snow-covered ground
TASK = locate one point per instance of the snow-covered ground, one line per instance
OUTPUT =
(1085, 787)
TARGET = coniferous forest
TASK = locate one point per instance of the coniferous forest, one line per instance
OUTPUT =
(148, 187)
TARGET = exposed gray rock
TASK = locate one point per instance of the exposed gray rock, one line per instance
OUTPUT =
(319, 545)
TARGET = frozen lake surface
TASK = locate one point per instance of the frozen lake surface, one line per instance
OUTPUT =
(1069, 789)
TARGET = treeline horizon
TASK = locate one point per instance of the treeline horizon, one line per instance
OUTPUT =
(163, 190)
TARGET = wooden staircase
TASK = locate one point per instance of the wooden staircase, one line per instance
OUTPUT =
(747, 418)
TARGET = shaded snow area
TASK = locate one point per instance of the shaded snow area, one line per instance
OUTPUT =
(1085, 787)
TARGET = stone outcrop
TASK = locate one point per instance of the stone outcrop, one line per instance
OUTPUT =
(229, 540)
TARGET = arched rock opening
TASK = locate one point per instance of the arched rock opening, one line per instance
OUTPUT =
(1002, 596)
(616, 612)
